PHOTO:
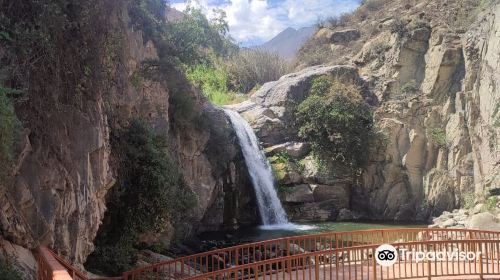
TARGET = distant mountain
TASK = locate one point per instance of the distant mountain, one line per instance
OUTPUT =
(288, 42)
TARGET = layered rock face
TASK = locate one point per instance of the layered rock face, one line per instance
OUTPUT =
(436, 105)
(61, 177)
(442, 146)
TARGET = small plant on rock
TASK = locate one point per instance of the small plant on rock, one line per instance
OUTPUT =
(410, 87)
(438, 135)
(398, 27)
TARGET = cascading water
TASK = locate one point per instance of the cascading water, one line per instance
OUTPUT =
(270, 207)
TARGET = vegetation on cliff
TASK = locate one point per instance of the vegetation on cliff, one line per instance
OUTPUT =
(336, 121)
(9, 128)
(214, 82)
(8, 272)
(150, 193)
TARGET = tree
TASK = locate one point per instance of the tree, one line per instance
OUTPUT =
(195, 38)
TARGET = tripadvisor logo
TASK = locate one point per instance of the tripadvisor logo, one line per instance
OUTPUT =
(387, 255)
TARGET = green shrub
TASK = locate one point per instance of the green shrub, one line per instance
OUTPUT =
(213, 81)
(336, 121)
(469, 201)
(495, 191)
(491, 203)
(9, 128)
(113, 259)
(496, 116)
(8, 272)
(150, 193)
(438, 136)
(282, 157)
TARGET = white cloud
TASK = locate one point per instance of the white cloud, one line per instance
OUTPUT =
(260, 20)
(179, 6)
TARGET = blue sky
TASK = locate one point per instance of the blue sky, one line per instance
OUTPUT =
(252, 22)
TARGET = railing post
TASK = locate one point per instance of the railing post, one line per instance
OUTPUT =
(429, 267)
(288, 254)
(316, 267)
(374, 264)
(479, 247)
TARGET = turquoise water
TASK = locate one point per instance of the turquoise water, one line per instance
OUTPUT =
(259, 233)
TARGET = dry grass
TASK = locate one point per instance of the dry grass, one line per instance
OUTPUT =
(250, 68)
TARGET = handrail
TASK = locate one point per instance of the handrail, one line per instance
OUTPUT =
(312, 260)
(64, 268)
(201, 264)
(49, 268)
(236, 255)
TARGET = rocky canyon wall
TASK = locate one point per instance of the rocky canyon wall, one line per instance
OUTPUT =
(433, 88)
(65, 168)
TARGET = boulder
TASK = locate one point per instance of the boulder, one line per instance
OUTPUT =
(337, 194)
(478, 208)
(22, 258)
(449, 223)
(298, 149)
(344, 36)
(300, 193)
(347, 215)
(484, 221)
(293, 149)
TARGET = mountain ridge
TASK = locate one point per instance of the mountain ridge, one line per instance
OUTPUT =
(288, 42)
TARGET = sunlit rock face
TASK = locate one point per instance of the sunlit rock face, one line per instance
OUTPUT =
(435, 98)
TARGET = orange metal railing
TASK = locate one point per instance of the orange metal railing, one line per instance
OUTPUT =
(49, 268)
(346, 249)
(357, 263)
(53, 267)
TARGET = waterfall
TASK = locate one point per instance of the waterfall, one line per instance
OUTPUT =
(270, 208)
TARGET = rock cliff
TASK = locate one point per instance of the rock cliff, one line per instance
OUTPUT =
(65, 166)
(432, 83)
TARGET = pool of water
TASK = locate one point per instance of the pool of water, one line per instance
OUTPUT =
(251, 234)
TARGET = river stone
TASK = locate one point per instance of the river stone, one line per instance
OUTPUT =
(484, 221)
(449, 223)
(478, 208)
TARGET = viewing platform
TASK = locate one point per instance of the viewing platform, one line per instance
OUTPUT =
(459, 254)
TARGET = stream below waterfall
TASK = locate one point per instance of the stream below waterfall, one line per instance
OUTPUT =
(222, 239)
